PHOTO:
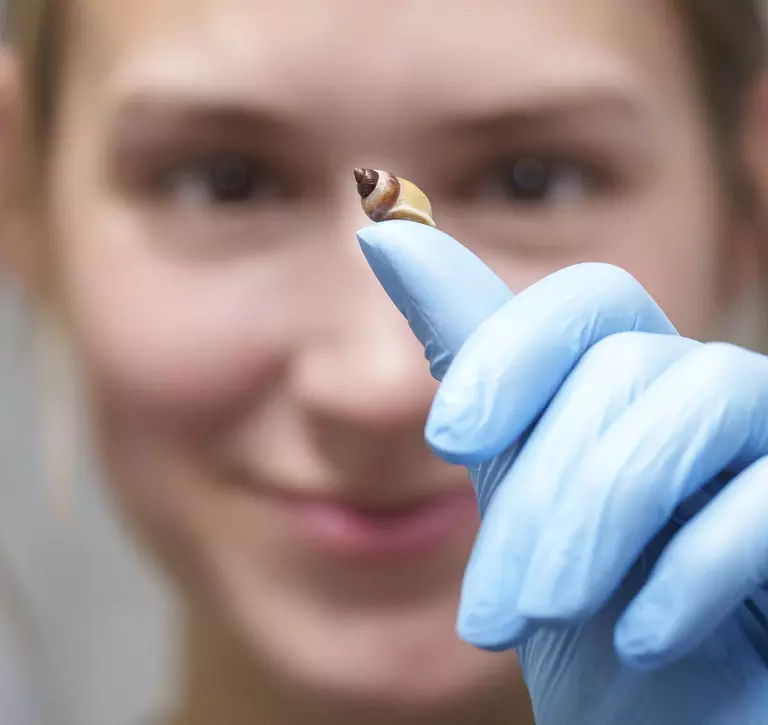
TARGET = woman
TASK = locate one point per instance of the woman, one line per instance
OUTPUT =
(259, 403)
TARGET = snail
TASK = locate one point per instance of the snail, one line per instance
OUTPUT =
(385, 196)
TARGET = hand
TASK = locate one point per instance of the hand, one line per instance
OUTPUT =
(622, 482)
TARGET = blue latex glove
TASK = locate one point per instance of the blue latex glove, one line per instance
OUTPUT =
(622, 481)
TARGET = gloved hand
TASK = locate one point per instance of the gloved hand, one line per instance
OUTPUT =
(622, 481)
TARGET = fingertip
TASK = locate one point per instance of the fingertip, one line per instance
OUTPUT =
(634, 649)
(500, 635)
(643, 638)
(418, 263)
(444, 441)
(397, 236)
(425, 255)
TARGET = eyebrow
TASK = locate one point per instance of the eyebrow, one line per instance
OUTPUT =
(149, 106)
(568, 103)
(148, 120)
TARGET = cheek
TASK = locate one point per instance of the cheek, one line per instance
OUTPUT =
(170, 333)
(683, 280)
(672, 252)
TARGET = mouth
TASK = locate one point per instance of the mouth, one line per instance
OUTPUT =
(401, 531)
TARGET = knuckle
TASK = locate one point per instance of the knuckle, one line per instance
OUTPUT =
(621, 300)
(717, 363)
(599, 278)
(635, 356)
(615, 281)
(729, 374)
(623, 353)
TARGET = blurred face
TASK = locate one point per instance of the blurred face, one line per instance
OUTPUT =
(259, 400)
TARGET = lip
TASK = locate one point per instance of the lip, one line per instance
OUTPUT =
(388, 533)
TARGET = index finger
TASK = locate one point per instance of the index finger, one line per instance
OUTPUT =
(442, 289)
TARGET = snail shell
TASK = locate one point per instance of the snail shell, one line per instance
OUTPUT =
(385, 196)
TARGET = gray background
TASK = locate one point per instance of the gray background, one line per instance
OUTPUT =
(85, 635)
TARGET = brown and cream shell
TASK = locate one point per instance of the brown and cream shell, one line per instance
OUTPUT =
(385, 196)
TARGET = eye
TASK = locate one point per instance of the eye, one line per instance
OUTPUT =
(538, 180)
(227, 179)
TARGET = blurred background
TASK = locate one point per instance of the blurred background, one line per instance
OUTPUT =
(83, 620)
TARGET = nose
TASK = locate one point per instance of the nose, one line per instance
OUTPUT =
(368, 371)
(375, 376)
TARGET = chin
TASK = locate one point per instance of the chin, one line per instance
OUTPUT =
(415, 676)
(402, 659)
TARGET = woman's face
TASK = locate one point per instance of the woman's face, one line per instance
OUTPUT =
(259, 400)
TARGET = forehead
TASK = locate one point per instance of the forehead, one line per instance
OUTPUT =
(415, 52)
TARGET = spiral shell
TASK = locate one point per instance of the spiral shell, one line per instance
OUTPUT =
(385, 196)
